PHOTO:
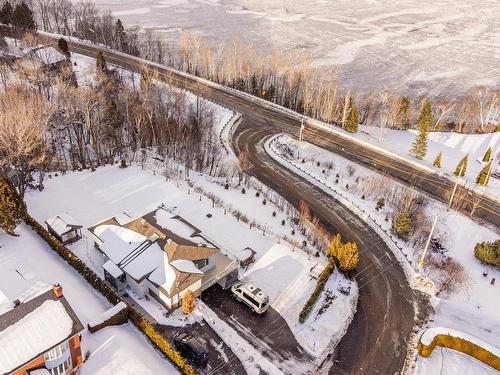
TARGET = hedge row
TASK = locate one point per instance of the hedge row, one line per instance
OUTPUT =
(159, 341)
(461, 345)
(323, 278)
(119, 318)
(107, 291)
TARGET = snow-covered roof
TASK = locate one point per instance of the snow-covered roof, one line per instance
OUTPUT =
(40, 371)
(18, 284)
(32, 335)
(62, 223)
(164, 276)
(112, 269)
(108, 314)
(129, 250)
(186, 266)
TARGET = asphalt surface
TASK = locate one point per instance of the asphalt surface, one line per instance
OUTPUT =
(218, 352)
(376, 342)
(269, 333)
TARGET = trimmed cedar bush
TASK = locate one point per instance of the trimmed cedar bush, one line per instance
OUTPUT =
(488, 252)
(160, 342)
(107, 291)
(320, 285)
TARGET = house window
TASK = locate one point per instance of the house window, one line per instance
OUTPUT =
(200, 264)
(57, 352)
(61, 368)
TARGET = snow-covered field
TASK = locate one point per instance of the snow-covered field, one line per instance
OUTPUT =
(117, 350)
(453, 146)
(462, 310)
(92, 196)
(425, 47)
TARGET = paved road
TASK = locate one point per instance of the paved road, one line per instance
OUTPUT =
(376, 342)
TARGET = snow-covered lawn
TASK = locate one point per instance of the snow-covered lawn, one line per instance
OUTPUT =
(289, 285)
(462, 310)
(118, 350)
(453, 146)
(93, 196)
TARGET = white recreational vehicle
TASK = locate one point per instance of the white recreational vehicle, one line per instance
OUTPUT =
(252, 296)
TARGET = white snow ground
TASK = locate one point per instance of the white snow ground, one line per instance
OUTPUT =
(453, 146)
(473, 310)
(117, 350)
(421, 48)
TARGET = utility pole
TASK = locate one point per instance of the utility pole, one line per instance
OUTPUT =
(302, 126)
(421, 261)
(455, 187)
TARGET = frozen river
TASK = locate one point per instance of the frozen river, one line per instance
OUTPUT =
(424, 47)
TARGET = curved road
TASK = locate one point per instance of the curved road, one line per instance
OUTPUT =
(376, 342)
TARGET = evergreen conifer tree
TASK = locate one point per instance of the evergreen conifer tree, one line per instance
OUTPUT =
(352, 121)
(348, 256)
(402, 225)
(404, 108)
(484, 176)
(461, 167)
(424, 122)
(101, 61)
(22, 19)
(6, 13)
(437, 161)
(63, 46)
(120, 36)
(12, 207)
(487, 155)
(334, 246)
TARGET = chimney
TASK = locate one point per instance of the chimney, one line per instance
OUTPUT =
(58, 290)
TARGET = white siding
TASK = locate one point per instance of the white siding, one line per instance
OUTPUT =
(137, 288)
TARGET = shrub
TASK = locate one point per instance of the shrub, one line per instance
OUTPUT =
(226, 186)
(380, 203)
(264, 202)
(123, 163)
(320, 285)
(243, 191)
(257, 194)
(188, 303)
(283, 222)
(274, 213)
(488, 252)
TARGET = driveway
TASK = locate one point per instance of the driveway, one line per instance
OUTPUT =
(268, 333)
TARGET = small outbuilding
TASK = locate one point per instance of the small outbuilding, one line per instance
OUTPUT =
(64, 227)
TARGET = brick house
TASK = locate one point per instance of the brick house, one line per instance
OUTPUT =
(39, 332)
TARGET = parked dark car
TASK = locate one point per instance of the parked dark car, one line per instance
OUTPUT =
(191, 348)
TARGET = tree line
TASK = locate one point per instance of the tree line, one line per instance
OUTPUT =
(287, 79)
(48, 121)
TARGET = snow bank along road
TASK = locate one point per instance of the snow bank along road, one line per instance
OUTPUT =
(376, 342)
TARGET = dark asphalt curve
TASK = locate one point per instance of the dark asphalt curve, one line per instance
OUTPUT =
(376, 342)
